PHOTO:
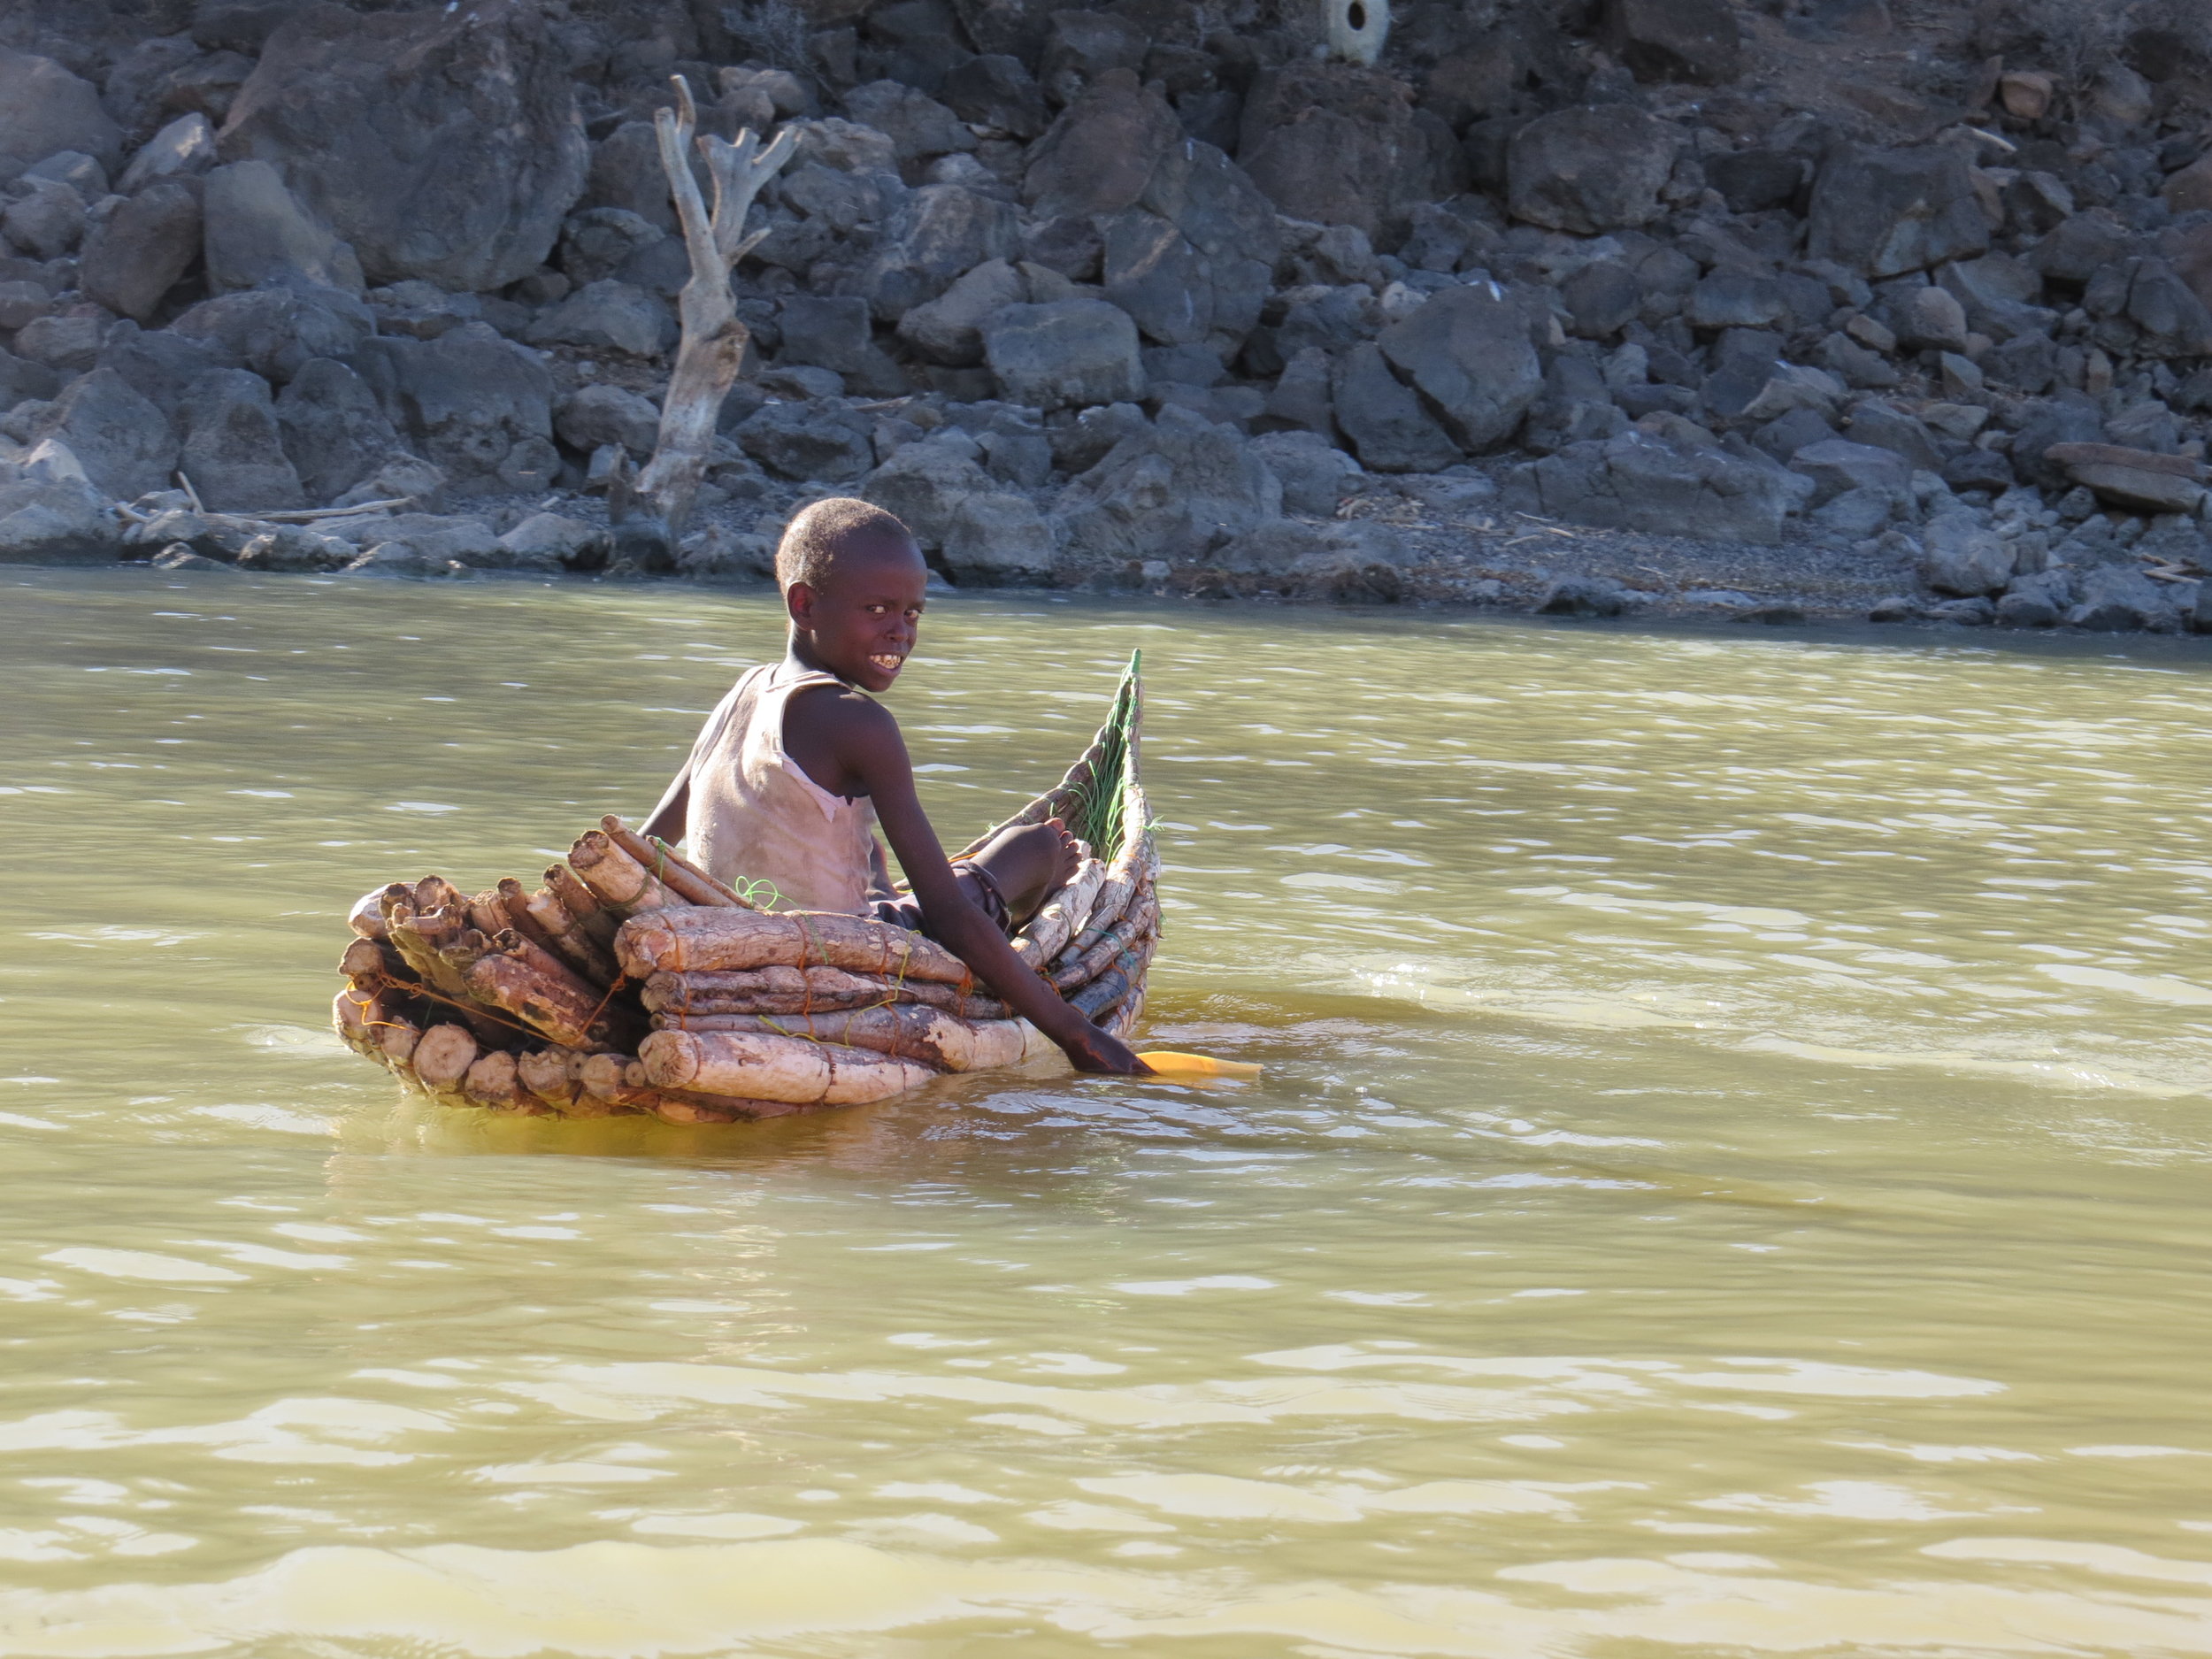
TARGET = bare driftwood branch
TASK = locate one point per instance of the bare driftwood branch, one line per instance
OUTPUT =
(713, 341)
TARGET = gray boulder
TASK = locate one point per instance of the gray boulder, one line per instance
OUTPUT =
(996, 90)
(1467, 355)
(1929, 318)
(138, 252)
(1882, 213)
(919, 127)
(1735, 299)
(1663, 486)
(24, 302)
(949, 329)
(442, 144)
(474, 405)
(22, 380)
(59, 522)
(1383, 417)
(1101, 153)
(43, 109)
(551, 542)
(1674, 40)
(258, 233)
(1590, 170)
(834, 332)
(1174, 490)
(79, 172)
(46, 223)
(334, 434)
(1315, 474)
(1355, 562)
(2144, 305)
(183, 148)
(234, 450)
(1583, 596)
(819, 442)
(1178, 293)
(1301, 399)
(922, 485)
(1069, 354)
(597, 415)
(997, 539)
(1962, 556)
(158, 364)
(2036, 601)
(1334, 143)
(1836, 467)
(715, 553)
(610, 315)
(2115, 599)
(938, 233)
(599, 241)
(69, 341)
(123, 442)
(1884, 426)
(275, 331)
(1856, 514)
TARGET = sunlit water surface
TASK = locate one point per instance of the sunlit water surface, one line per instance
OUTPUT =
(1729, 1176)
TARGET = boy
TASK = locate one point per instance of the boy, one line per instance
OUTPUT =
(797, 766)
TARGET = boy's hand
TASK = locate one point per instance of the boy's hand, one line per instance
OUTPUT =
(1094, 1050)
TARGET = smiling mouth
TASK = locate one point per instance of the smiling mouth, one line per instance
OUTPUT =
(886, 663)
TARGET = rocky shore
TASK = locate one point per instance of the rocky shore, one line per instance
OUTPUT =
(1806, 308)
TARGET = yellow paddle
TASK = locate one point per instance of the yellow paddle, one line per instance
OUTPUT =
(1167, 1062)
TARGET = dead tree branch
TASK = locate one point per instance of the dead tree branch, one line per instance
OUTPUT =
(712, 347)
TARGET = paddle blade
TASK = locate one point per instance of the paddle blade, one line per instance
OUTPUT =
(1167, 1062)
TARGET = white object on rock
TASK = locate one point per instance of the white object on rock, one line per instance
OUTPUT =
(1357, 29)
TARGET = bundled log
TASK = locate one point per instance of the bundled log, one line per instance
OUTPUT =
(366, 917)
(443, 1055)
(803, 991)
(620, 882)
(677, 874)
(560, 1006)
(558, 930)
(1046, 933)
(582, 903)
(1138, 922)
(551, 1075)
(681, 941)
(942, 1041)
(768, 1067)
(396, 1036)
(355, 1016)
(1107, 991)
(491, 1082)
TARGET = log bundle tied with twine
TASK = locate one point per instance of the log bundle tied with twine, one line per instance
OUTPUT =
(632, 982)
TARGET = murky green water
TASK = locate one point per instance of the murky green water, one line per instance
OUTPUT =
(1729, 1180)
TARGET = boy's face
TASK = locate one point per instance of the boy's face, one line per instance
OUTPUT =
(861, 623)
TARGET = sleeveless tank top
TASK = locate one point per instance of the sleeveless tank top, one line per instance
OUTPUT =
(756, 815)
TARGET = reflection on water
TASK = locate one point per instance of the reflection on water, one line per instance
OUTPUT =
(1728, 1177)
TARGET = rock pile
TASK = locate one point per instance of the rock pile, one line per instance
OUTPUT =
(1148, 296)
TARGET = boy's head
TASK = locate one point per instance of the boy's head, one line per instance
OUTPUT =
(852, 582)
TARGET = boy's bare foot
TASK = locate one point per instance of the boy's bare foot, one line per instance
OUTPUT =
(1030, 864)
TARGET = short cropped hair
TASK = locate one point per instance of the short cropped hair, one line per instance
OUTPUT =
(811, 541)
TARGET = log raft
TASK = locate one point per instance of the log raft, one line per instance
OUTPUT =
(634, 982)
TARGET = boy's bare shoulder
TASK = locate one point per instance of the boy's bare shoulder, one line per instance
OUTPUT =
(839, 711)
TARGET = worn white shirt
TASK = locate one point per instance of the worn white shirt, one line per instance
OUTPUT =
(756, 815)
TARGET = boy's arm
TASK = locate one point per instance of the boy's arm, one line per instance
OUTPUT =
(868, 742)
(669, 818)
